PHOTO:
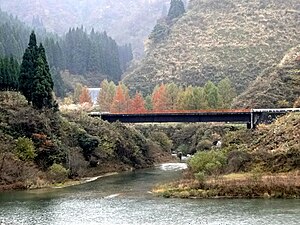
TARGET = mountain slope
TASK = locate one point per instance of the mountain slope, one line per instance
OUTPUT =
(277, 87)
(218, 38)
(126, 21)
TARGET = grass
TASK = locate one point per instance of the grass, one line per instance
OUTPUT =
(236, 185)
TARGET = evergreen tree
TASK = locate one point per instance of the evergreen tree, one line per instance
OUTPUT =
(42, 83)
(59, 88)
(28, 68)
(176, 9)
(35, 81)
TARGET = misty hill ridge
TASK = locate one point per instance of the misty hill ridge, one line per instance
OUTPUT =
(218, 38)
(126, 21)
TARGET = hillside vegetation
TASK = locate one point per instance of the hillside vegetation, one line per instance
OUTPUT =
(214, 39)
(251, 163)
(40, 147)
(279, 86)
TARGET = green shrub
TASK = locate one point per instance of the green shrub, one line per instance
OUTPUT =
(200, 176)
(209, 163)
(58, 173)
(183, 148)
(162, 140)
(25, 149)
(88, 143)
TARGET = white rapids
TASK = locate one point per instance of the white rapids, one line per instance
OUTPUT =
(173, 166)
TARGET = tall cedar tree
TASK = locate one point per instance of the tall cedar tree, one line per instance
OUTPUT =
(42, 87)
(176, 9)
(35, 81)
(28, 68)
(137, 104)
(85, 96)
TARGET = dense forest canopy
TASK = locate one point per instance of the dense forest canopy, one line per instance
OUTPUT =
(77, 51)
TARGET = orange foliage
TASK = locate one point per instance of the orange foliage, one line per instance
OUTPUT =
(85, 96)
(137, 104)
(120, 102)
(159, 98)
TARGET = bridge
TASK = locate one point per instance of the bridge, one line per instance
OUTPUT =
(251, 117)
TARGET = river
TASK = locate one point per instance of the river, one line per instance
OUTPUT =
(126, 199)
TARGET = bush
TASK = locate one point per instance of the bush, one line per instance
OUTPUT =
(25, 149)
(209, 163)
(204, 145)
(88, 143)
(58, 173)
(184, 149)
(162, 140)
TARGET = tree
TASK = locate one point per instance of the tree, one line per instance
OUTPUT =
(42, 86)
(85, 96)
(59, 87)
(137, 104)
(77, 92)
(120, 103)
(172, 91)
(28, 68)
(9, 72)
(159, 99)
(35, 81)
(160, 31)
(176, 9)
(227, 93)
(212, 95)
(148, 103)
(199, 98)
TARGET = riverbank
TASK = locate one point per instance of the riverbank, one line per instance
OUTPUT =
(260, 163)
(238, 185)
(39, 148)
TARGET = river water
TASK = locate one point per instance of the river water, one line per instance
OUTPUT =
(126, 199)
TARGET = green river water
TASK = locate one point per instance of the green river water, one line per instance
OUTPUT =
(126, 199)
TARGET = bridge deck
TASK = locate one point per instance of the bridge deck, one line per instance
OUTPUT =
(249, 116)
(215, 116)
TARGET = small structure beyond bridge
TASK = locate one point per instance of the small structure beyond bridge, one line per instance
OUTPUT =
(251, 117)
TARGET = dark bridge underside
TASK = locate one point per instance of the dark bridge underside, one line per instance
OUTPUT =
(239, 117)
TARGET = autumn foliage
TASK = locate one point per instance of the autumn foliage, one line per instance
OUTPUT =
(164, 98)
(85, 96)
(137, 104)
(159, 98)
(120, 103)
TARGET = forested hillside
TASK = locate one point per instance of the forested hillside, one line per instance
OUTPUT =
(277, 87)
(126, 21)
(238, 39)
(91, 56)
(13, 36)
